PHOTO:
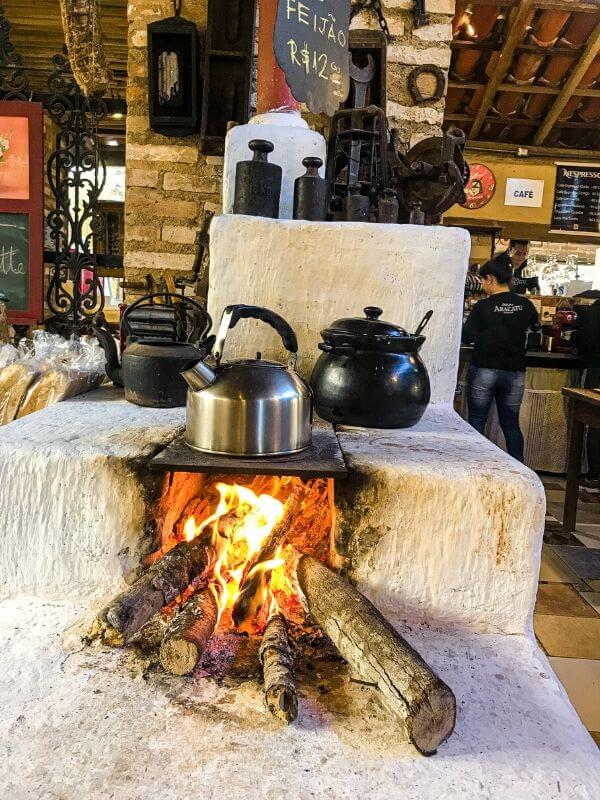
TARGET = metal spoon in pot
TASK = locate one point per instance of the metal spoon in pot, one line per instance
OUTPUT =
(421, 326)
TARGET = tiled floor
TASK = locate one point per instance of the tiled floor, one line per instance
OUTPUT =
(567, 612)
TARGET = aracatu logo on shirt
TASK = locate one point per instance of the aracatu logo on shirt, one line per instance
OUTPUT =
(508, 308)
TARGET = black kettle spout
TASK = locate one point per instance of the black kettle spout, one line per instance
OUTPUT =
(113, 368)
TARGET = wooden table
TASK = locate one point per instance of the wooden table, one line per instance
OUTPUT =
(584, 410)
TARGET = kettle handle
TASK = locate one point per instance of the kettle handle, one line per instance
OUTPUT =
(234, 313)
(204, 315)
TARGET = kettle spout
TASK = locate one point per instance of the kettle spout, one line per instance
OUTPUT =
(113, 368)
(198, 376)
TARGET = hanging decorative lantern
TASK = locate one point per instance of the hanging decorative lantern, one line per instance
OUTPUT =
(173, 75)
(83, 37)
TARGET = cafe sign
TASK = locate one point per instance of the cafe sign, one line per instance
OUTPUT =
(524, 192)
(311, 47)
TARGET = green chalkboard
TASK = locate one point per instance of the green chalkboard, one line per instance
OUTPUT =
(14, 260)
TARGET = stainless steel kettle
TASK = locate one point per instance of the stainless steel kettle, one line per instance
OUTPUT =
(249, 407)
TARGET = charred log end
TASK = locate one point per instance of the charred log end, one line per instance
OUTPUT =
(187, 636)
(178, 656)
(433, 723)
(282, 702)
(375, 650)
(101, 631)
(159, 585)
(130, 612)
(275, 655)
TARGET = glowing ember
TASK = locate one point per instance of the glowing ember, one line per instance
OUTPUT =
(242, 520)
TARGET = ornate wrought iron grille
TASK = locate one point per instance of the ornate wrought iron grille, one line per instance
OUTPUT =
(13, 80)
(76, 175)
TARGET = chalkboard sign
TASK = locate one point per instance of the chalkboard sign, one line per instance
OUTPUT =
(311, 47)
(577, 199)
(14, 260)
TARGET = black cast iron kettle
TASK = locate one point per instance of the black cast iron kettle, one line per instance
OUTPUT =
(370, 373)
(155, 354)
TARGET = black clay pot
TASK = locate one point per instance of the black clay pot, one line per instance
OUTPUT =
(311, 192)
(370, 373)
(258, 183)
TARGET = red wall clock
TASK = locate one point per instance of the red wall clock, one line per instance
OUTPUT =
(480, 188)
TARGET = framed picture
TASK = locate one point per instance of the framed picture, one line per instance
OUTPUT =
(22, 210)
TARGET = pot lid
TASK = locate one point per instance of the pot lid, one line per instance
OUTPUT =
(369, 325)
(252, 362)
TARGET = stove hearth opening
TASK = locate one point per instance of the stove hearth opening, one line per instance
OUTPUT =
(248, 570)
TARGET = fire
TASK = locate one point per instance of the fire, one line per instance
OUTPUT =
(249, 519)
(244, 516)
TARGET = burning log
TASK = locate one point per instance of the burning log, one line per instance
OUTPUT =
(159, 585)
(278, 670)
(188, 634)
(380, 656)
(245, 606)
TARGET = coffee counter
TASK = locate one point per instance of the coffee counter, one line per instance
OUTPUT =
(543, 414)
(536, 358)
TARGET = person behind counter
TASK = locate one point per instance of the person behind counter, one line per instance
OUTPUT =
(518, 250)
(587, 340)
(498, 326)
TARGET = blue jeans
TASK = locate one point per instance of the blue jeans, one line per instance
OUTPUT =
(506, 388)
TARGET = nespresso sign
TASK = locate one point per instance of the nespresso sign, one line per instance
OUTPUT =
(577, 199)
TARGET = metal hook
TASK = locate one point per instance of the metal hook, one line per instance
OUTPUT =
(177, 7)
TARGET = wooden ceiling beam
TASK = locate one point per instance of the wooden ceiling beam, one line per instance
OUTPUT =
(529, 123)
(516, 26)
(523, 89)
(504, 148)
(586, 6)
(592, 49)
(527, 47)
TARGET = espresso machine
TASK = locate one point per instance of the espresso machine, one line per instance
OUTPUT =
(564, 323)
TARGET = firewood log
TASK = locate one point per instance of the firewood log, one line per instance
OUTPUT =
(251, 581)
(159, 585)
(379, 655)
(278, 670)
(188, 634)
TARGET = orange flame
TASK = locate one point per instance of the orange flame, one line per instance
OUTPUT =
(243, 518)
(250, 519)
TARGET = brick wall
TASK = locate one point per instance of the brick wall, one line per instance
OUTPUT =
(412, 47)
(170, 182)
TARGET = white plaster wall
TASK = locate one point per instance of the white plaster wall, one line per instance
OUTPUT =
(313, 273)
(441, 526)
(72, 508)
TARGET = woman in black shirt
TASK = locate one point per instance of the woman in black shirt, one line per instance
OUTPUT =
(498, 326)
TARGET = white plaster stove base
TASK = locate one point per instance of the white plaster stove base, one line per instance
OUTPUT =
(72, 507)
(77, 725)
(74, 723)
(440, 525)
